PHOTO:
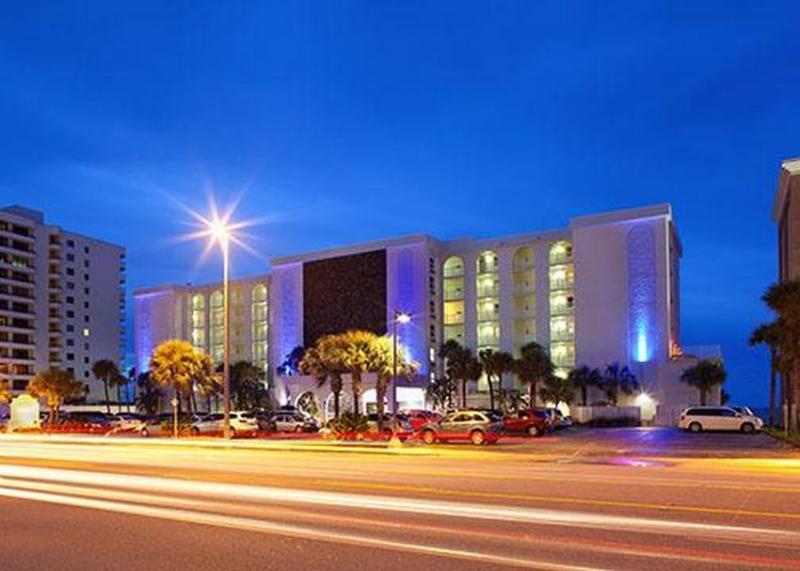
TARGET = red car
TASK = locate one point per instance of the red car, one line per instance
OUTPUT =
(419, 417)
(533, 422)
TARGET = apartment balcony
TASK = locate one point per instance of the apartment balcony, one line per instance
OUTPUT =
(567, 361)
(451, 294)
(15, 233)
(488, 291)
(12, 297)
(525, 313)
(564, 335)
(28, 253)
(11, 360)
(17, 267)
(12, 312)
(488, 316)
(557, 259)
(556, 285)
(557, 310)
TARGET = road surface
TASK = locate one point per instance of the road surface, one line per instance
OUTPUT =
(105, 504)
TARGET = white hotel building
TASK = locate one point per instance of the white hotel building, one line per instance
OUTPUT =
(62, 300)
(604, 289)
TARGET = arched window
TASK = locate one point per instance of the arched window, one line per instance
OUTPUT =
(198, 320)
(217, 331)
(453, 267)
(260, 325)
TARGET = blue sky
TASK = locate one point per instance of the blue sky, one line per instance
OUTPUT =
(348, 121)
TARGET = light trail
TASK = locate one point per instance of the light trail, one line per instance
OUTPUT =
(403, 505)
(193, 505)
(283, 529)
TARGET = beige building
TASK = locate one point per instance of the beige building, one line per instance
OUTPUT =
(786, 212)
(62, 300)
(195, 314)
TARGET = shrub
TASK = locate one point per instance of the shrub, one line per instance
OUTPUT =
(349, 425)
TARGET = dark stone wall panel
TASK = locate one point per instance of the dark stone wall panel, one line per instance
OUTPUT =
(348, 292)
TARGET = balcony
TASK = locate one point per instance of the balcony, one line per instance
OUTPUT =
(560, 284)
(489, 291)
(562, 310)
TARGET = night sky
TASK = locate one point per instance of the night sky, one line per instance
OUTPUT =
(339, 122)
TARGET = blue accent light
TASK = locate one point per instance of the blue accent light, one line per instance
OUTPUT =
(642, 288)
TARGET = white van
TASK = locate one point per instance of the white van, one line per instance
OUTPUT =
(699, 418)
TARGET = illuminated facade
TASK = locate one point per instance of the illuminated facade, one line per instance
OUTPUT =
(602, 290)
(62, 300)
(195, 314)
(786, 212)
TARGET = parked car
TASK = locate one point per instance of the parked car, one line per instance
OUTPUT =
(699, 418)
(127, 422)
(162, 424)
(288, 421)
(404, 427)
(420, 417)
(85, 421)
(242, 422)
(533, 422)
(560, 420)
(477, 426)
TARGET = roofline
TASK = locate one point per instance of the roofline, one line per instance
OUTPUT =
(623, 215)
(789, 168)
(352, 249)
(149, 290)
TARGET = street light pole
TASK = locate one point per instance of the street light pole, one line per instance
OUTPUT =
(399, 317)
(226, 338)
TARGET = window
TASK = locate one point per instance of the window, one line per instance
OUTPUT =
(70, 328)
(70, 356)
(70, 243)
(70, 299)
(86, 291)
(86, 249)
(86, 332)
(86, 277)
(70, 257)
(70, 272)
(70, 342)
(86, 263)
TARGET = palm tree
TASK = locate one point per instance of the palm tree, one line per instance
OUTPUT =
(441, 392)
(495, 365)
(557, 390)
(5, 391)
(784, 300)
(382, 360)
(179, 365)
(618, 379)
(247, 385)
(460, 365)
(533, 367)
(106, 371)
(704, 376)
(357, 348)
(55, 386)
(769, 334)
(582, 378)
(325, 362)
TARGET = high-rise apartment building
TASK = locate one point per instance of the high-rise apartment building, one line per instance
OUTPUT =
(62, 300)
(603, 290)
(786, 212)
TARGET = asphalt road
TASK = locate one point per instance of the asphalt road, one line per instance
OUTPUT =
(572, 501)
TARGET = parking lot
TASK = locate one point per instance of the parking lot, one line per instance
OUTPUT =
(652, 441)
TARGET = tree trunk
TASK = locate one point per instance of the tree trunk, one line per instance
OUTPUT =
(703, 397)
(108, 399)
(772, 373)
(356, 381)
(336, 395)
(491, 392)
(464, 393)
(532, 394)
(584, 395)
(380, 393)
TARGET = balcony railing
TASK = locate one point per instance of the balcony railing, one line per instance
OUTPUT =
(488, 291)
(561, 284)
(562, 309)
